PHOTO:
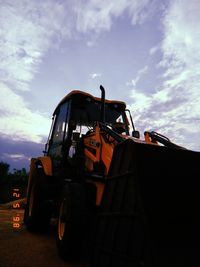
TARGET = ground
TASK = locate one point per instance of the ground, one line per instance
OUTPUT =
(19, 248)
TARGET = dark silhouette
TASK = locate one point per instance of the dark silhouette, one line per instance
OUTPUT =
(9, 181)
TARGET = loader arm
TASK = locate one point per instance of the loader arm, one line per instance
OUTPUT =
(155, 138)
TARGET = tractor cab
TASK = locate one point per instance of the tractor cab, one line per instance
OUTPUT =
(75, 119)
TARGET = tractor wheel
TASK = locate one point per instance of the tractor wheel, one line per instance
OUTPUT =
(71, 221)
(37, 213)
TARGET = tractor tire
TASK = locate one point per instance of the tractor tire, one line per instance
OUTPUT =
(71, 222)
(37, 213)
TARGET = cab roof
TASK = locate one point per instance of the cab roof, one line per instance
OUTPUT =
(83, 95)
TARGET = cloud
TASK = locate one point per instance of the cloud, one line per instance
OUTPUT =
(154, 49)
(169, 113)
(18, 153)
(27, 31)
(18, 121)
(98, 15)
(15, 157)
(95, 75)
(181, 45)
(161, 112)
(138, 77)
(180, 59)
(174, 109)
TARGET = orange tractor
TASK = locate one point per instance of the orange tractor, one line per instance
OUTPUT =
(95, 163)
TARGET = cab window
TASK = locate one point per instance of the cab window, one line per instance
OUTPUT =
(61, 125)
(59, 132)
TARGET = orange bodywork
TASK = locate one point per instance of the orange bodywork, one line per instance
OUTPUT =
(149, 140)
(84, 94)
(46, 163)
(100, 190)
(98, 149)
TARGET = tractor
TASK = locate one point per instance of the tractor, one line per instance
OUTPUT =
(97, 170)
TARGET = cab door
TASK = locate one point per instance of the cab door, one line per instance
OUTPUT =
(59, 135)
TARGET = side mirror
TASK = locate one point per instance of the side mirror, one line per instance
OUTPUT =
(136, 134)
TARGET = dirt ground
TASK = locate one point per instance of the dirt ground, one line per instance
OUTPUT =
(19, 248)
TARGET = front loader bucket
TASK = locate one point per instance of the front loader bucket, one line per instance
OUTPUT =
(150, 209)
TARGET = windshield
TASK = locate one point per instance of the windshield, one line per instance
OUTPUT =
(88, 113)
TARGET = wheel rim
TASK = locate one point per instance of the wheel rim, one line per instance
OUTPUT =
(30, 209)
(62, 220)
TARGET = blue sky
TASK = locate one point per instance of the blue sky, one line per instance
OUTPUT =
(144, 52)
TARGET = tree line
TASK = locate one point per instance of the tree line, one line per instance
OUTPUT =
(18, 176)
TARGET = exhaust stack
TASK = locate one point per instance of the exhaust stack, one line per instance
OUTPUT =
(102, 118)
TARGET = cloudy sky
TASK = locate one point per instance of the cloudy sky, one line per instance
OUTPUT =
(144, 52)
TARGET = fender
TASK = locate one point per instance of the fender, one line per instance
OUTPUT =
(46, 163)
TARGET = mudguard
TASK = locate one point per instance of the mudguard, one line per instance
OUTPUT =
(46, 164)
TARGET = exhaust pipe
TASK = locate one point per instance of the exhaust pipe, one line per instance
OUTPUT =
(102, 118)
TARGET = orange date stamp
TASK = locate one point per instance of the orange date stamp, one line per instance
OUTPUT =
(16, 221)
